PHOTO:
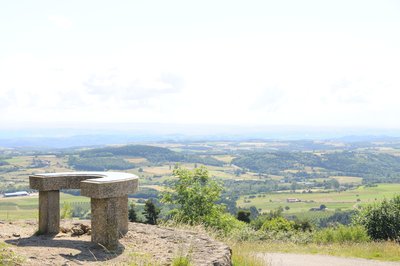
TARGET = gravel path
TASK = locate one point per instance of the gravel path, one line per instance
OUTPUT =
(289, 259)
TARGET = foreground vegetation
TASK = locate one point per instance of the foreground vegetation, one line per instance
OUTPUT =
(383, 251)
(8, 257)
(272, 232)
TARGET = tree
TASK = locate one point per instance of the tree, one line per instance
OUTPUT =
(381, 220)
(244, 216)
(151, 212)
(195, 195)
(277, 224)
(132, 216)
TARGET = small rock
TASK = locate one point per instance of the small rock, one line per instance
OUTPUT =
(64, 229)
(16, 235)
(85, 228)
(77, 231)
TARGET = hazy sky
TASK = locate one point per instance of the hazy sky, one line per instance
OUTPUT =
(318, 63)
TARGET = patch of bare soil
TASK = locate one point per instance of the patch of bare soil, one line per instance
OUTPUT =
(142, 245)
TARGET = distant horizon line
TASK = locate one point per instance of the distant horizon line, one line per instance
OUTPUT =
(81, 125)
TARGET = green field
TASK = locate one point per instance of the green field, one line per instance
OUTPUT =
(27, 207)
(348, 179)
(333, 200)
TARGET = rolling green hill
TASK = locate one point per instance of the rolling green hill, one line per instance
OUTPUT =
(151, 153)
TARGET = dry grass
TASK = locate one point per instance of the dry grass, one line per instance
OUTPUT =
(384, 251)
(245, 257)
(158, 170)
(224, 158)
(156, 187)
(348, 179)
(8, 257)
(136, 160)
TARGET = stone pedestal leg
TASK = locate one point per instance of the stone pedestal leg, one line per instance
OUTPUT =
(122, 215)
(49, 212)
(105, 222)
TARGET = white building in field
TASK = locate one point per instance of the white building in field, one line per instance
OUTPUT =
(292, 200)
(16, 194)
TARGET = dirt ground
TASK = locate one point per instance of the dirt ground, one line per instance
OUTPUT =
(142, 245)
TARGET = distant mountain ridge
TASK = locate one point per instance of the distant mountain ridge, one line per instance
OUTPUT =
(56, 140)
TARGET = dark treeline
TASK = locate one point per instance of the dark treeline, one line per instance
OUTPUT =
(369, 165)
(99, 163)
(151, 153)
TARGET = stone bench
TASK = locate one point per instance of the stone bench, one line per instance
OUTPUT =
(108, 192)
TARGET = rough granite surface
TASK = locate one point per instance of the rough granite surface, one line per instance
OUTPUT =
(109, 201)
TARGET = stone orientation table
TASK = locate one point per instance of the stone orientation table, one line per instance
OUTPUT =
(108, 192)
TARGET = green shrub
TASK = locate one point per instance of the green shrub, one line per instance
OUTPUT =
(277, 224)
(8, 257)
(341, 234)
(225, 223)
(181, 261)
(194, 196)
(246, 234)
(381, 220)
(244, 216)
(66, 211)
(260, 220)
(303, 225)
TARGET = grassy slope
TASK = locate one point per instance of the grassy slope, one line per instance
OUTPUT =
(27, 207)
(333, 200)
(384, 251)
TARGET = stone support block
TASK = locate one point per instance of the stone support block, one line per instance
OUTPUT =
(109, 220)
(49, 212)
(109, 201)
(121, 215)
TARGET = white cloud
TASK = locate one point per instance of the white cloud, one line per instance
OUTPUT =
(61, 22)
(281, 79)
(125, 87)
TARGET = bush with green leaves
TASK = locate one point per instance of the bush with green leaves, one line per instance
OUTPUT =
(194, 201)
(278, 224)
(260, 220)
(151, 212)
(194, 196)
(381, 220)
(8, 256)
(341, 234)
(132, 216)
(66, 210)
(181, 261)
(244, 216)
